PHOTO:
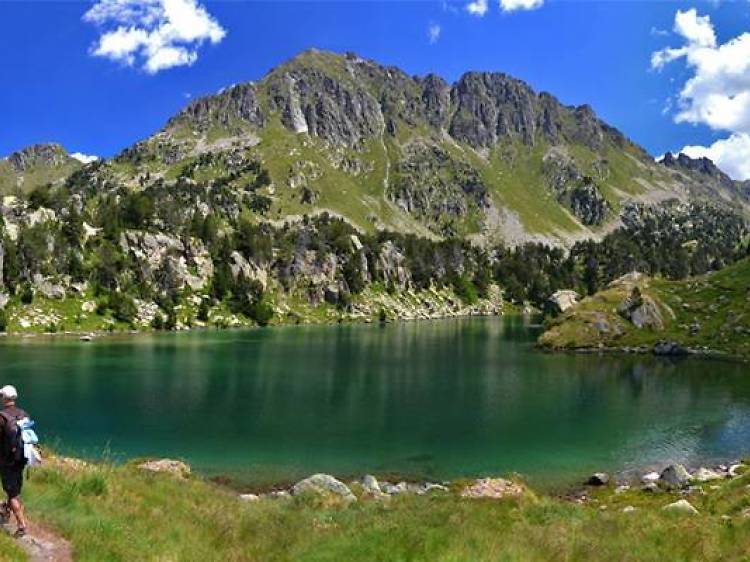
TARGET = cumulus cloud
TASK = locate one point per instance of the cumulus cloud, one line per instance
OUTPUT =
(433, 33)
(85, 158)
(152, 34)
(478, 7)
(513, 5)
(717, 93)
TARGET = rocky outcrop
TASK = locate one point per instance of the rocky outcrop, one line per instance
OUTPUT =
(47, 155)
(392, 266)
(562, 300)
(641, 310)
(579, 193)
(48, 288)
(166, 263)
(432, 185)
(237, 104)
(242, 268)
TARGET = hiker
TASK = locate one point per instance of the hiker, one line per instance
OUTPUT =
(12, 458)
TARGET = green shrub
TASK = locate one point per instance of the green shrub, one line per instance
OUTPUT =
(27, 294)
(3, 320)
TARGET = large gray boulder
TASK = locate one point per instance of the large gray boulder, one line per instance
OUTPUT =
(562, 300)
(323, 484)
(641, 310)
(48, 288)
(674, 476)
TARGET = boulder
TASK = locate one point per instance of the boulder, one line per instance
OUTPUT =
(47, 288)
(650, 477)
(169, 466)
(706, 475)
(736, 470)
(495, 488)
(641, 310)
(562, 300)
(650, 487)
(598, 479)
(628, 509)
(4, 300)
(682, 507)
(249, 497)
(674, 476)
(371, 485)
(323, 484)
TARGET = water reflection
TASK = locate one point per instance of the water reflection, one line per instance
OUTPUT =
(440, 399)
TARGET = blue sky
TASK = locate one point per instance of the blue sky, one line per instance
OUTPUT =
(56, 86)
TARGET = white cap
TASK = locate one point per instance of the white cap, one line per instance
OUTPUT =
(9, 392)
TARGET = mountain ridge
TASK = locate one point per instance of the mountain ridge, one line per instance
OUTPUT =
(486, 157)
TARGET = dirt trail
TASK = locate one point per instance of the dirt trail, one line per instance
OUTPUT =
(41, 544)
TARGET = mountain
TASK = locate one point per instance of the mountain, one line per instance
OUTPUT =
(33, 166)
(339, 189)
(487, 157)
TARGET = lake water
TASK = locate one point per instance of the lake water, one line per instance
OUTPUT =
(438, 400)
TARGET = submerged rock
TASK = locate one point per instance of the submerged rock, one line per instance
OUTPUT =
(323, 484)
(681, 506)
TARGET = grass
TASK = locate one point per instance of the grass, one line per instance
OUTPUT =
(121, 513)
(707, 311)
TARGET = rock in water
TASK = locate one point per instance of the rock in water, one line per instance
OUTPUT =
(170, 466)
(598, 479)
(681, 506)
(323, 484)
(675, 476)
(669, 348)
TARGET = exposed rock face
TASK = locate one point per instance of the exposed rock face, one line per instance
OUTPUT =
(166, 263)
(706, 475)
(392, 264)
(38, 154)
(48, 288)
(574, 190)
(641, 310)
(432, 185)
(238, 104)
(562, 300)
(324, 484)
(240, 267)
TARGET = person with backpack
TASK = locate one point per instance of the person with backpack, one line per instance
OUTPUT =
(12, 457)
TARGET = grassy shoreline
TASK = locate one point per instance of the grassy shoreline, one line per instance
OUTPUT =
(123, 513)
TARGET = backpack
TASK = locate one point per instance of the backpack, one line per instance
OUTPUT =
(19, 441)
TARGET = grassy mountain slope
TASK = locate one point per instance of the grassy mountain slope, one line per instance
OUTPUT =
(710, 311)
(35, 166)
(486, 157)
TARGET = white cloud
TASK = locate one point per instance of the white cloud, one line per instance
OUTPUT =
(732, 155)
(85, 158)
(717, 94)
(153, 34)
(513, 5)
(478, 7)
(433, 33)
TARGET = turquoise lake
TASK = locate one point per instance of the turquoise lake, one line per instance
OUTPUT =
(438, 400)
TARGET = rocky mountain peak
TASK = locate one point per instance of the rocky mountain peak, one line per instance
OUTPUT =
(703, 166)
(49, 154)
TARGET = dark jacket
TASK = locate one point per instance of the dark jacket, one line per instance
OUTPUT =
(8, 428)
